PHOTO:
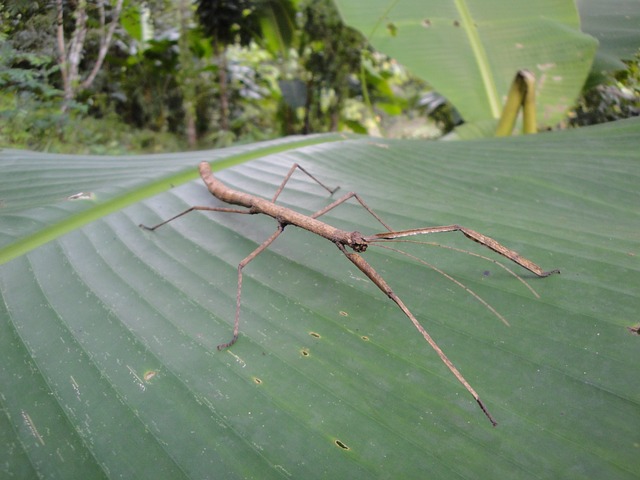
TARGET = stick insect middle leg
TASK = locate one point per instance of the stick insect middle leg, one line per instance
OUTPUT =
(263, 246)
(276, 234)
(236, 322)
(332, 205)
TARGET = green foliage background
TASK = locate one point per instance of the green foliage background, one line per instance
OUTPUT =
(470, 51)
(305, 71)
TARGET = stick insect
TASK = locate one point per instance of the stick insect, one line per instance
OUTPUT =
(351, 244)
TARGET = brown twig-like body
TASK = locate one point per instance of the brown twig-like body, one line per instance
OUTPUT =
(351, 244)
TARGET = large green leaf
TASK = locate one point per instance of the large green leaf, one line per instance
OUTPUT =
(470, 50)
(108, 332)
(615, 24)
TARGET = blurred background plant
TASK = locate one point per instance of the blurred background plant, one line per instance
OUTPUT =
(616, 96)
(183, 74)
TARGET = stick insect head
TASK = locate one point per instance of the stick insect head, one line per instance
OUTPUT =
(357, 242)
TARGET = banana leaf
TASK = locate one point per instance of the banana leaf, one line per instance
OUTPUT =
(108, 332)
(469, 51)
(615, 25)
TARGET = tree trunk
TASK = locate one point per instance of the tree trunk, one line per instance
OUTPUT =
(306, 129)
(187, 74)
(220, 54)
(69, 56)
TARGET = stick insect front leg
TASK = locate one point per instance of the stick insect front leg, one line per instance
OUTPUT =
(377, 279)
(488, 242)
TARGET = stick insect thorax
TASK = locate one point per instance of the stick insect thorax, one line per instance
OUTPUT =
(284, 216)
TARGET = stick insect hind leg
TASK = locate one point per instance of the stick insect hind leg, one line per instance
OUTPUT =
(263, 246)
(241, 265)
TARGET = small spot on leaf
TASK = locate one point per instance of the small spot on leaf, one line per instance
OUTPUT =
(456, 23)
(342, 445)
(545, 66)
(365, 338)
(305, 352)
(426, 23)
(635, 329)
(81, 196)
(257, 380)
(393, 30)
(314, 334)
(149, 374)
(344, 314)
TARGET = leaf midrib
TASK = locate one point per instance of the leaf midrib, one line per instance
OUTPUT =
(73, 222)
(480, 56)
